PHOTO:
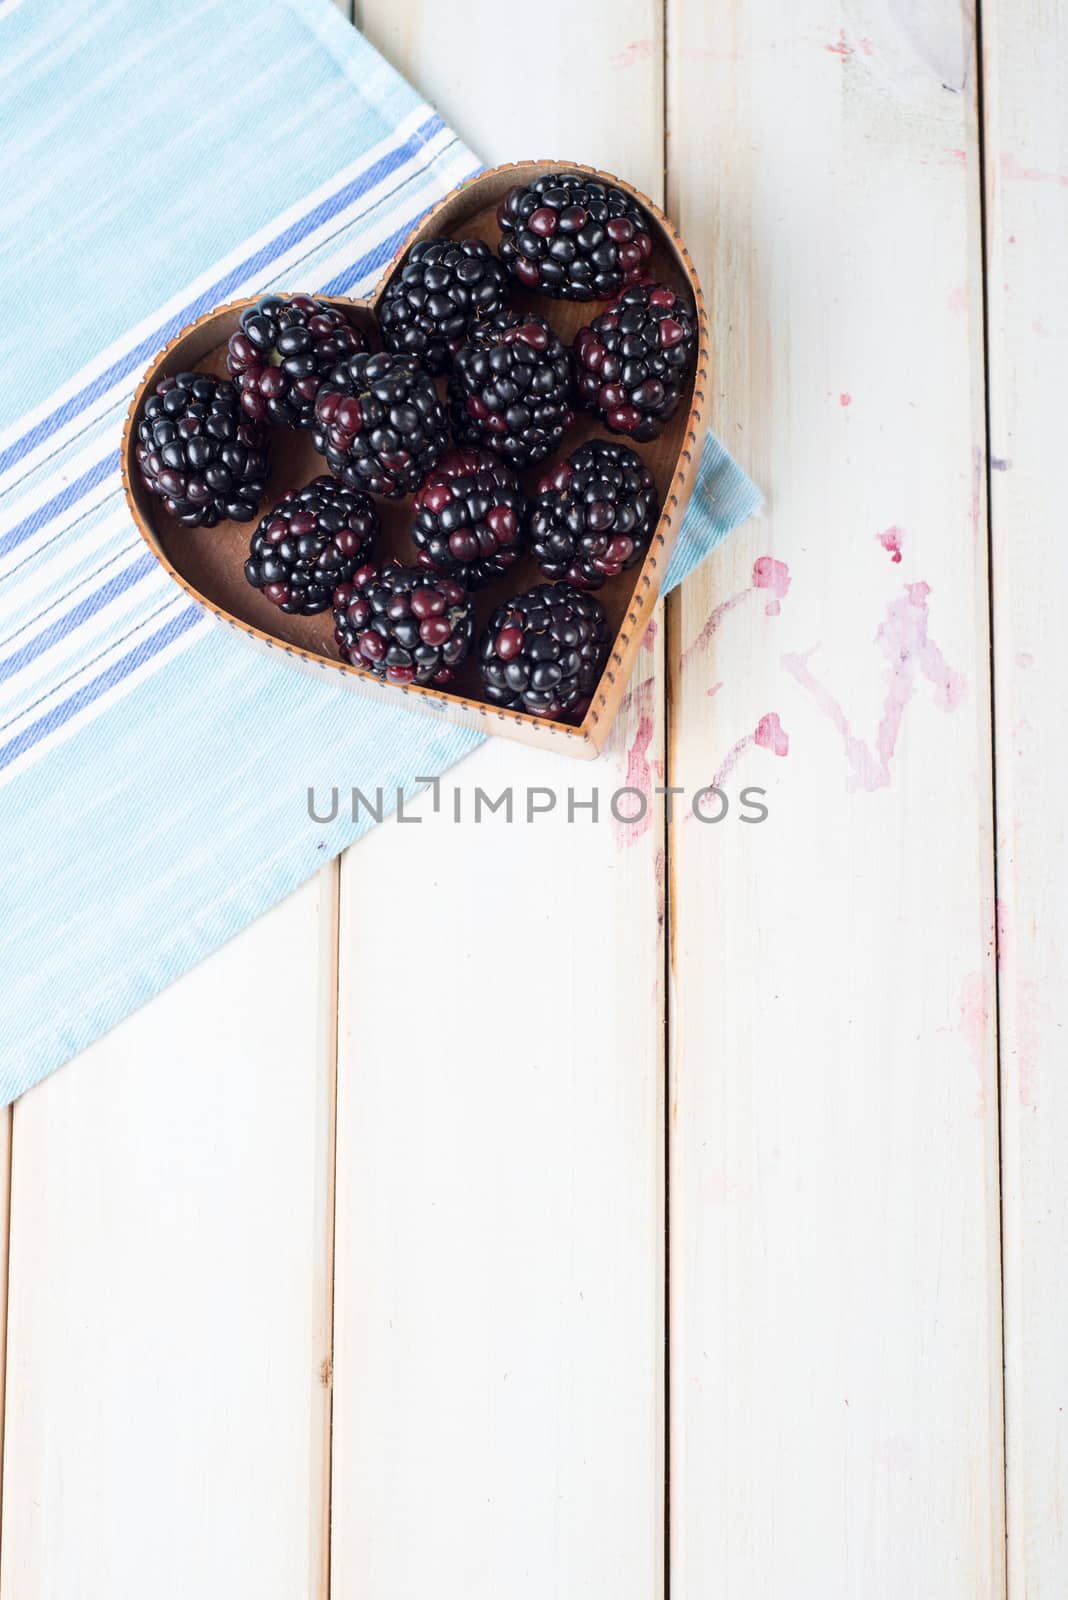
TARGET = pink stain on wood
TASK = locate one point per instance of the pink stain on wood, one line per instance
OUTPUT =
(842, 50)
(639, 776)
(890, 539)
(639, 700)
(660, 875)
(775, 577)
(1012, 168)
(866, 47)
(973, 1018)
(769, 734)
(636, 50)
(768, 574)
(1024, 658)
(712, 622)
(845, 399)
(958, 299)
(903, 639)
(975, 510)
(716, 687)
(638, 696)
(649, 637)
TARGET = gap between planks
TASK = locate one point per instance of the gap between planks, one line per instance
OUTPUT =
(984, 279)
(326, 1372)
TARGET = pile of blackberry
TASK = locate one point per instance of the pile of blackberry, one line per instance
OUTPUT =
(470, 516)
(510, 388)
(633, 362)
(594, 514)
(280, 352)
(432, 304)
(461, 387)
(379, 423)
(312, 541)
(403, 624)
(196, 450)
(543, 651)
(573, 237)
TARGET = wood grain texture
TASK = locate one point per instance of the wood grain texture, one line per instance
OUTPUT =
(169, 1310)
(1024, 49)
(836, 1421)
(498, 1402)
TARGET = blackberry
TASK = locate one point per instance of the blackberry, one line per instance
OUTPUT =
(199, 454)
(404, 625)
(633, 361)
(573, 237)
(594, 514)
(510, 388)
(280, 352)
(312, 541)
(543, 651)
(431, 306)
(469, 518)
(380, 424)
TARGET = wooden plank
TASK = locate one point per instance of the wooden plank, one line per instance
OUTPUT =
(169, 1321)
(498, 1403)
(1026, 151)
(835, 1360)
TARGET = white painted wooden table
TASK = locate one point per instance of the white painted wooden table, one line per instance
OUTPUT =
(687, 1261)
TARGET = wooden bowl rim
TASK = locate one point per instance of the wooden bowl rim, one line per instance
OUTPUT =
(646, 586)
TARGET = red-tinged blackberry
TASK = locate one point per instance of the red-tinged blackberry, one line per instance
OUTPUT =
(430, 307)
(403, 624)
(510, 388)
(380, 424)
(280, 352)
(198, 452)
(594, 514)
(633, 361)
(573, 237)
(312, 541)
(470, 516)
(543, 651)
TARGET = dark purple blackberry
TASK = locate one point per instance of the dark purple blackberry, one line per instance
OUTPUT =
(280, 352)
(543, 651)
(432, 304)
(380, 424)
(594, 514)
(510, 388)
(633, 361)
(469, 518)
(312, 541)
(402, 624)
(196, 450)
(573, 236)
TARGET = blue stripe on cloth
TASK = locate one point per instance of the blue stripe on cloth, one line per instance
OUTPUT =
(67, 497)
(220, 291)
(107, 680)
(64, 626)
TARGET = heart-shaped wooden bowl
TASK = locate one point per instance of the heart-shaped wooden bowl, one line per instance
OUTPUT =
(208, 562)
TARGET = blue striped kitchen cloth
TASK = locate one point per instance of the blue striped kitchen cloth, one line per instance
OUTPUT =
(161, 156)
